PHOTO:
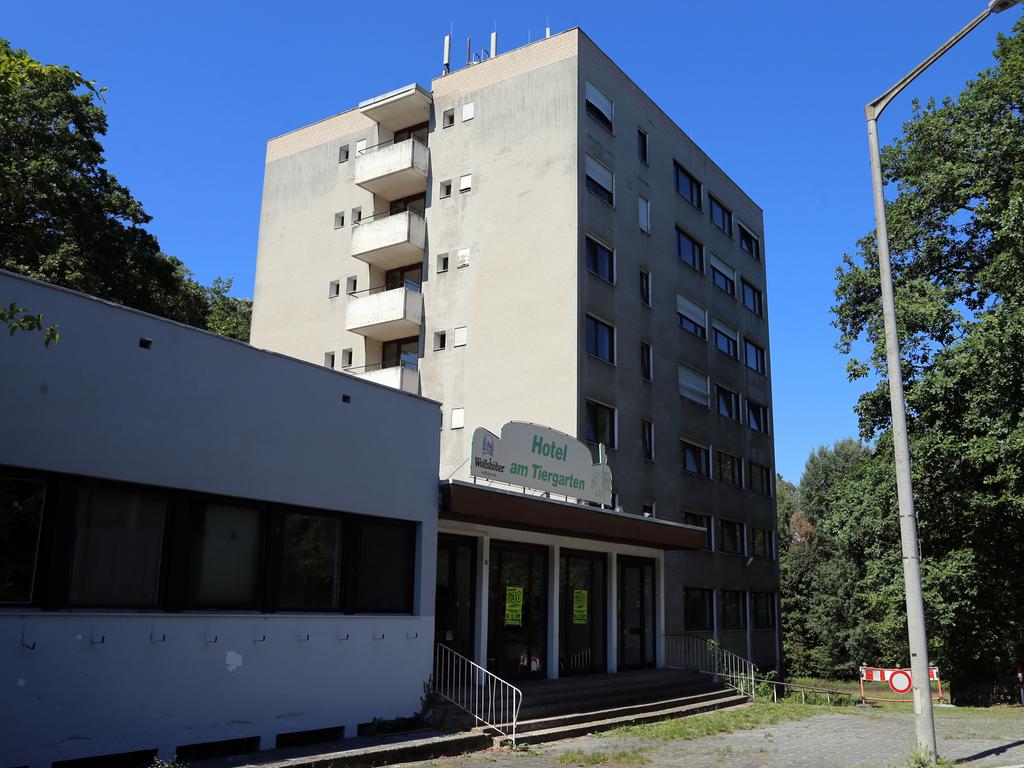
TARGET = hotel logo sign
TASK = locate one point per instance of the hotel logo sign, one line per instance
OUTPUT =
(540, 458)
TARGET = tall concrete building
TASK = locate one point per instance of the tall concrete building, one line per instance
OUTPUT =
(534, 239)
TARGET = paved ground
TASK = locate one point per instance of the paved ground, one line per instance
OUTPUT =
(867, 739)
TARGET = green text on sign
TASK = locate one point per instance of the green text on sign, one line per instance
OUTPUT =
(513, 606)
(579, 606)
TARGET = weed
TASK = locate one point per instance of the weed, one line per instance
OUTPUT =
(578, 757)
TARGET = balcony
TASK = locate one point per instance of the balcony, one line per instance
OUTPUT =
(396, 109)
(393, 171)
(386, 315)
(387, 242)
(404, 377)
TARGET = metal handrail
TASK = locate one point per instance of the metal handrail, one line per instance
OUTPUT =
(388, 143)
(481, 694)
(408, 284)
(407, 364)
(388, 215)
(706, 656)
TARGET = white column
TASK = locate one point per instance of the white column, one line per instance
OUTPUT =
(483, 574)
(612, 613)
(554, 563)
(659, 610)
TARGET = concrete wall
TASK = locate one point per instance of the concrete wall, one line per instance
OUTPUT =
(204, 413)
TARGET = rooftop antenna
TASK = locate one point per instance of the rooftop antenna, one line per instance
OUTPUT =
(529, 36)
(494, 42)
(447, 54)
(547, 27)
(469, 50)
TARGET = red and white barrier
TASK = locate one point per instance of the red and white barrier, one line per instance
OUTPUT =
(900, 681)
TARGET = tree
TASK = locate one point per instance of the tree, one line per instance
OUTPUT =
(228, 316)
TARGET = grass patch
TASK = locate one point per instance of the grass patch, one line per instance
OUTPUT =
(579, 757)
(725, 721)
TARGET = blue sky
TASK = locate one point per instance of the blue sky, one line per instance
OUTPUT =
(773, 91)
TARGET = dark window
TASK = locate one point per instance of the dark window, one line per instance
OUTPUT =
(730, 468)
(754, 356)
(734, 609)
(697, 610)
(600, 424)
(750, 243)
(310, 562)
(702, 521)
(689, 250)
(728, 403)
(21, 515)
(723, 277)
(600, 339)
(725, 340)
(757, 417)
(645, 287)
(226, 557)
(600, 180)
(343, 153)
(687, 186)
(720, 216)
(760, 479)
(403, 352)
(382, 567)
(695, 458)
(647, 434)
(691, 317)
(403, 276)
(641, 145)
(599, 106)
(646, 362)
(753, 299)
(118, 546)
(730, 538)
(761, 542)
(764, 610)
(600, 260)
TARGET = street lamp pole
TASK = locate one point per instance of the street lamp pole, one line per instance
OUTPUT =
(923, 717)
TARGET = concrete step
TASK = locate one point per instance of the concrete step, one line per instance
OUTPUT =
(612, 697)
(577, 688)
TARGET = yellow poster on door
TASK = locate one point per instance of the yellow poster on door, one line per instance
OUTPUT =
(513, 606)
(579, 606)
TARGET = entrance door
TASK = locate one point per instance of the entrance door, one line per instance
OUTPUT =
(581, 625)
(455, 606)
(518, 610)
(636, 613)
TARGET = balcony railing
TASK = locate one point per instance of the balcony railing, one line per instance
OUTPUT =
(390, 240)
(403, 376)
(385, 314)
(393, 170)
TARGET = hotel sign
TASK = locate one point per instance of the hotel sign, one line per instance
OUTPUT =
(540, 458)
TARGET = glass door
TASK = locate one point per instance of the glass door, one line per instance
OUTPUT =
(636, 613)
(455, 603)
(518, 610)
(581, 625)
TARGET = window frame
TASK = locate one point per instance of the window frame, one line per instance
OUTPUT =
(719, 328)
(646, 361)
(591, 183)
(647, 440)
(595, 112)
(644, 209)
(755, 252)
(762, 419)
(643, 147)
(698, 329)
(689, 392)
(757, 297)
(723, 277)
(713, 203)
(707, 523)
(733, 399)
(681, 236)
(765, 474)
(646, 288)
(599, 244)
(599, 325)
(695, 185)
(598, 407)
(766, 599)
(741, 537)
(760, 357)
(736, 471)
(742, 620)
(704, 470)
(707, 597)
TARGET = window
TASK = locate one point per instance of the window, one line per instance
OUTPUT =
(723, 276)
(689, 250)
(725, 339)
(761, 542)
(346, 358)
(599, 106)
(328, 359)
(728, 402)
(693, 384)
(695, 458)
(225, 557)
(460, 336)
(600, 424)
(700, 521)
(734, 609)
(401, 352)
(647, 435)
(757, 417)
(730, 537)
(440, 340)
(343, 153)
(446, 189)
(357, 216)
(458, 418)
(339, 220)
(600, 339)
(764, 610)
(749, 242)
(688, 186)
(466, 182)
(641, 145)
(462, 258)
(650, 509)
(645, 214)
(721, 216)
(21, 516)
(753, 299)
(334, 289)
(310, 562)
(754, 356)
(468, 111)
(351, 284)
(646, 361)
(448, 118)
(360, 147)
(645, 287)
(600, 259)
(730, 468)
(442, 262)
(698, 613)
(760, 479)
(692, 317)
(600, 181)
(382, 569)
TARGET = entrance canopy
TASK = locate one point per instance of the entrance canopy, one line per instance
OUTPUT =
(495, 506)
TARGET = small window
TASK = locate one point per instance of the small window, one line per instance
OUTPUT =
(695, 458)
(693, 385)
(645, 287)
(440, 340)
(448, 118)
(468, 111)
(728, 402)
(730, 538)
(600, 181)
(357, 216)
(600, 424)
(442, 262)
(720, 215)
(225, 557)
(343, 153)
(459, 336)
(754, 356)
(599, 106)
(764, 610)
(21, 517)
(723, 276)
(328, 360)
(339, 220)
(463, 258)
(689, 250)
(647, 436)
(600, 339)
(734, 609)
(692, 317)
(641, 145)
(334, 289)
(688, 186)
(646, 361)
(760, 479)
(725, 339)
(351, 284)
(458, 420)
(650, 509)
(698, 610)
(729, 468)
(757, 417)
(644, 214)
(465, 182)
(761, 542)
(346, 358)
(600, 259)
(749, 242)
(446, 188)
(360, 147)
(310, 562)
(700, 521)
(753, 299)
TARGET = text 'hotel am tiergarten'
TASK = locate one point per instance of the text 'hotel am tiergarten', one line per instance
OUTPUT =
(534, 240)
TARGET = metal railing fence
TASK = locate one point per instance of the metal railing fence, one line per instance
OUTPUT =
(481, 694)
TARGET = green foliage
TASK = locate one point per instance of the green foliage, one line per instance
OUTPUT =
(18, 319)
(579, 757)
(66, 220)
(721, 721)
